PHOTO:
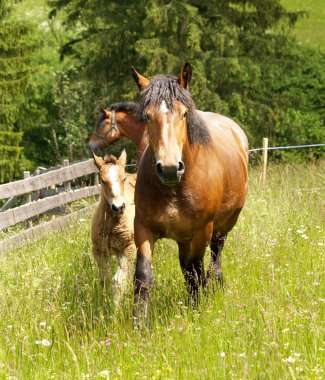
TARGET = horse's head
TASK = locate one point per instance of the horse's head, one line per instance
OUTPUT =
(165, 103)
(105, 133)
(112, 175)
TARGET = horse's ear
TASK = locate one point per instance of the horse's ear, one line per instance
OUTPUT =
(186, 75)
(140, 80)
(122, 159)
(105, 112)
(99, 162)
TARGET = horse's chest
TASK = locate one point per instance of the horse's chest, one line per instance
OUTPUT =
(175, 219)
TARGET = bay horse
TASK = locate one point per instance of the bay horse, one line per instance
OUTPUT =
(119, 120)
(191, 184)
(112, 224)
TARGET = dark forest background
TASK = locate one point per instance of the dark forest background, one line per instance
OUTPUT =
(55, 74)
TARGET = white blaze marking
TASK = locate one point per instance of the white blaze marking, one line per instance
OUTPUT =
(112, 174)
(163, 107)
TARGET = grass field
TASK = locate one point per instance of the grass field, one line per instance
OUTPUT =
(311, 28)
(55, 323)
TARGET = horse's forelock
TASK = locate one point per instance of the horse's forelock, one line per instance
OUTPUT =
(167, 89)
(124, 106)
(110, 159)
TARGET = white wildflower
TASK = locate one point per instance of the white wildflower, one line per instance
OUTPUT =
(290, 359)
(43, 342)
(104, 373)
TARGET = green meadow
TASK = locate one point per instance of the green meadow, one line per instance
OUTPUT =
(268, 323)
(310, 29)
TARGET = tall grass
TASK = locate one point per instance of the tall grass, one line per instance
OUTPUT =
(55, 322)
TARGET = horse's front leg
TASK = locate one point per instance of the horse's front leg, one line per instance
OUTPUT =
(102, 259)
(143, 278)
(216, 245)
(191, 255)
(121, 279)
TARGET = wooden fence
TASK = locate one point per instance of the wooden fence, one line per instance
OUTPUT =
(31, 209)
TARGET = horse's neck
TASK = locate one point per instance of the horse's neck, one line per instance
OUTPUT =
(134, 130)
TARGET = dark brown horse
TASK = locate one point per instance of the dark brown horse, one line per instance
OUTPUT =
(191, 184)
(119, 120)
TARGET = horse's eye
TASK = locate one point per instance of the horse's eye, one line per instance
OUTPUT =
(147, 117)
(101, 123)
(124, 179)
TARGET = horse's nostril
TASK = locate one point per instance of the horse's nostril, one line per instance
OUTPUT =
(181, 166)
(159, 168)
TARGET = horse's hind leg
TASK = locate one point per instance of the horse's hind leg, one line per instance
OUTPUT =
(216, 245)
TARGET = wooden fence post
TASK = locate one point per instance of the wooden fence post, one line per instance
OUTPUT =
(28, 196)
(264, 158)
(67, 185)
(96, 179)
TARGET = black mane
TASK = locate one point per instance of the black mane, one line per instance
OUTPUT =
(167, 89)
(124, 107)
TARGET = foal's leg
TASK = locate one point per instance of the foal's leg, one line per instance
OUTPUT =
(102, 261)
(216, 245)
(120, 279)
(143, 278)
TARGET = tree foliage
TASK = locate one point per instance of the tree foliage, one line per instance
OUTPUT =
(16, 44)
(246, 65)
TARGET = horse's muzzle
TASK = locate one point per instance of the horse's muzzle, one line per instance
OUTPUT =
(170, 175)
(118, 210)
(94, 146)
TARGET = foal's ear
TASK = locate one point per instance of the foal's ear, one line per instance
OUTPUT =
(122, 159)
(140, 80)
(99, 162)
(186, 75)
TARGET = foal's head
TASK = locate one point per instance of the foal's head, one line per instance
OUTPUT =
(112, 175)
(167, 106)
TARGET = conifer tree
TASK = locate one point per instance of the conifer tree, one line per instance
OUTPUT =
(245, 63)
(17, 44)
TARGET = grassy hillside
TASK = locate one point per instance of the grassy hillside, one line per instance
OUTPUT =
(268, 324)
(311, 28)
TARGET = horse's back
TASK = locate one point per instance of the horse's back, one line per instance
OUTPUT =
(226, 130)
(231, 149)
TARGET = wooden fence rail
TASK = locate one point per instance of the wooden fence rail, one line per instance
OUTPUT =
(41, 181)
(29, 210)
(11, 216)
